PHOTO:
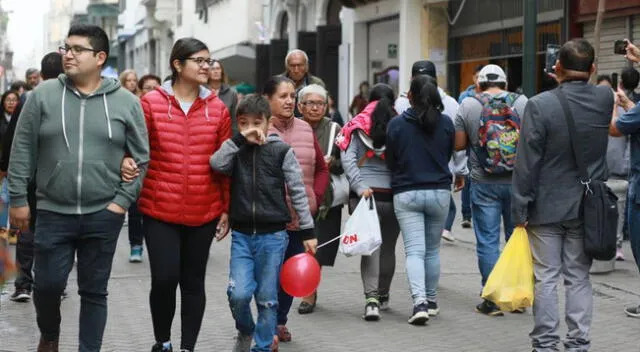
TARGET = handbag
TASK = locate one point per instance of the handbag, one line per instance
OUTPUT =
(599, 208)
(339, 183)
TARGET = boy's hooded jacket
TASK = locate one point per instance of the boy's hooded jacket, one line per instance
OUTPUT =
(180, 187)
(76, 143)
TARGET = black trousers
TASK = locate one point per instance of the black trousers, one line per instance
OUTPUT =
(24, 247)
(178, 254)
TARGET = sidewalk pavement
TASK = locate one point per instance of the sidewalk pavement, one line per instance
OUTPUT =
(337, 324)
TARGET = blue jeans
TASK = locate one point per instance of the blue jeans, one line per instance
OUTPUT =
(57, 238)
(466, 198)
(285, 301)
(254, 271)
(451, 215)
(633, 205)
(4, 213)
(490, 203)
(421, 215)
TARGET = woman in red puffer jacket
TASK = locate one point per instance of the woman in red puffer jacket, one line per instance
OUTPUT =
(184, 202)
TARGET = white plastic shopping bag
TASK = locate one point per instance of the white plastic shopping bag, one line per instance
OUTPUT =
(361, 234)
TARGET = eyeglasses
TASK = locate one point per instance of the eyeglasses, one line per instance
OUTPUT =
(75, 50)
(9, 100)
(201, 61)
(314, 104)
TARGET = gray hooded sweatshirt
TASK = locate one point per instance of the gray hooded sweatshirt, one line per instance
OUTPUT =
(76, 144)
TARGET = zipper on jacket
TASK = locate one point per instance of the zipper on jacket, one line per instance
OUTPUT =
(81, 155)
(253, 199)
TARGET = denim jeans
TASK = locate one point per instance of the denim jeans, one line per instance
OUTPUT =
(254, 271)
(421, 215)
(451, 215)
(633, 204)
(24, 261)
(4, 212)
(136, 230)
(490, 203)
(57, 239)
(285, 301)
(466, 198)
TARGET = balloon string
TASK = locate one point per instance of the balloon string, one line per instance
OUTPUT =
(332, 240)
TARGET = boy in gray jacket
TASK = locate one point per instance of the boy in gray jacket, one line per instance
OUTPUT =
(264, 169)
(74, 131)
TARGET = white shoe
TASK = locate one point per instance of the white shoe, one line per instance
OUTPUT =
(447, 236)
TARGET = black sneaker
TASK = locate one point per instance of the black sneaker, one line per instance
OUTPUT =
(466, 223)
(21, 295)
(420, 315)
(432, 308)
(372, 310)
(489, 308)
(633, 312)
(159, 347)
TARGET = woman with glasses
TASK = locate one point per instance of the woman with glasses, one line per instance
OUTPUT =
(312, 103)
(9, 103)
(184, 203)
(219, 84)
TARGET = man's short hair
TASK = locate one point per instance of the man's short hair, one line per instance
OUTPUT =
(51, 65)
(630, 78)
(30, 71)
(254, 105)
(577, 55)
(16, 85)
(602, 78)
(148, 77)
(296, 51)
(96, 35)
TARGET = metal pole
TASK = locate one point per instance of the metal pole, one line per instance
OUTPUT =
(529, 47)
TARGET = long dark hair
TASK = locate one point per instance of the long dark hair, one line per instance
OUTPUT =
(271, 86)
(384, 95)
(182, 49)
(426, 101)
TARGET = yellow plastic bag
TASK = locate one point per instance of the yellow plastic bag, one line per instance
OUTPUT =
(510, 284)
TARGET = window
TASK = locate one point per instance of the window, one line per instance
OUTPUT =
(284, 26)
(179, 13)
(122, 4)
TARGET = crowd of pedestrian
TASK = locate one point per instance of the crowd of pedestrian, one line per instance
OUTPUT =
(191, 161)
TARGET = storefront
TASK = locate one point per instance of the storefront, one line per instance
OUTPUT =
(621, 20)
(380, 42)
(496, 37)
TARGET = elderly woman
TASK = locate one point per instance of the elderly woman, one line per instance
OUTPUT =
(129, 81)
(312, 103)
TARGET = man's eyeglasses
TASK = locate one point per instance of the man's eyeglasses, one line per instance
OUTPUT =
(201, 61)
(314, 104)
(75, 50)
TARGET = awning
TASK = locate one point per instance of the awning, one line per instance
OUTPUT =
(239, 62)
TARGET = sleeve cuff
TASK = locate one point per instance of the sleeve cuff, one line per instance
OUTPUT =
(18, 201)
(239, 140)
(306, 234)
(122, 201)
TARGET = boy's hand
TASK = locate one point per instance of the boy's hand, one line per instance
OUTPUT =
(459, 184)
(129, 170)
(311, 245)
(254, 135)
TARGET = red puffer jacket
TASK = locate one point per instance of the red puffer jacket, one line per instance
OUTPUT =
(180, 187)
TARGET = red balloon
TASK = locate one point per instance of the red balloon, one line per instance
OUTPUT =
(300, 275)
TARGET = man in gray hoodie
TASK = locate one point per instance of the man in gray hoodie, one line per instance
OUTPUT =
(75, 131)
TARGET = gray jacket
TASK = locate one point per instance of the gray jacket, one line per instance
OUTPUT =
(229, 97)
(546, 184)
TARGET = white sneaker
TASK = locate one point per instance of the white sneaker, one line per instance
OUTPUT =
(372, 310)
(447, 236)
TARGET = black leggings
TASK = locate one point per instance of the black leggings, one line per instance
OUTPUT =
(178, 254)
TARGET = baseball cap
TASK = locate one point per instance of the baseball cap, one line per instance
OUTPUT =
(423, 67)
(492, 73)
